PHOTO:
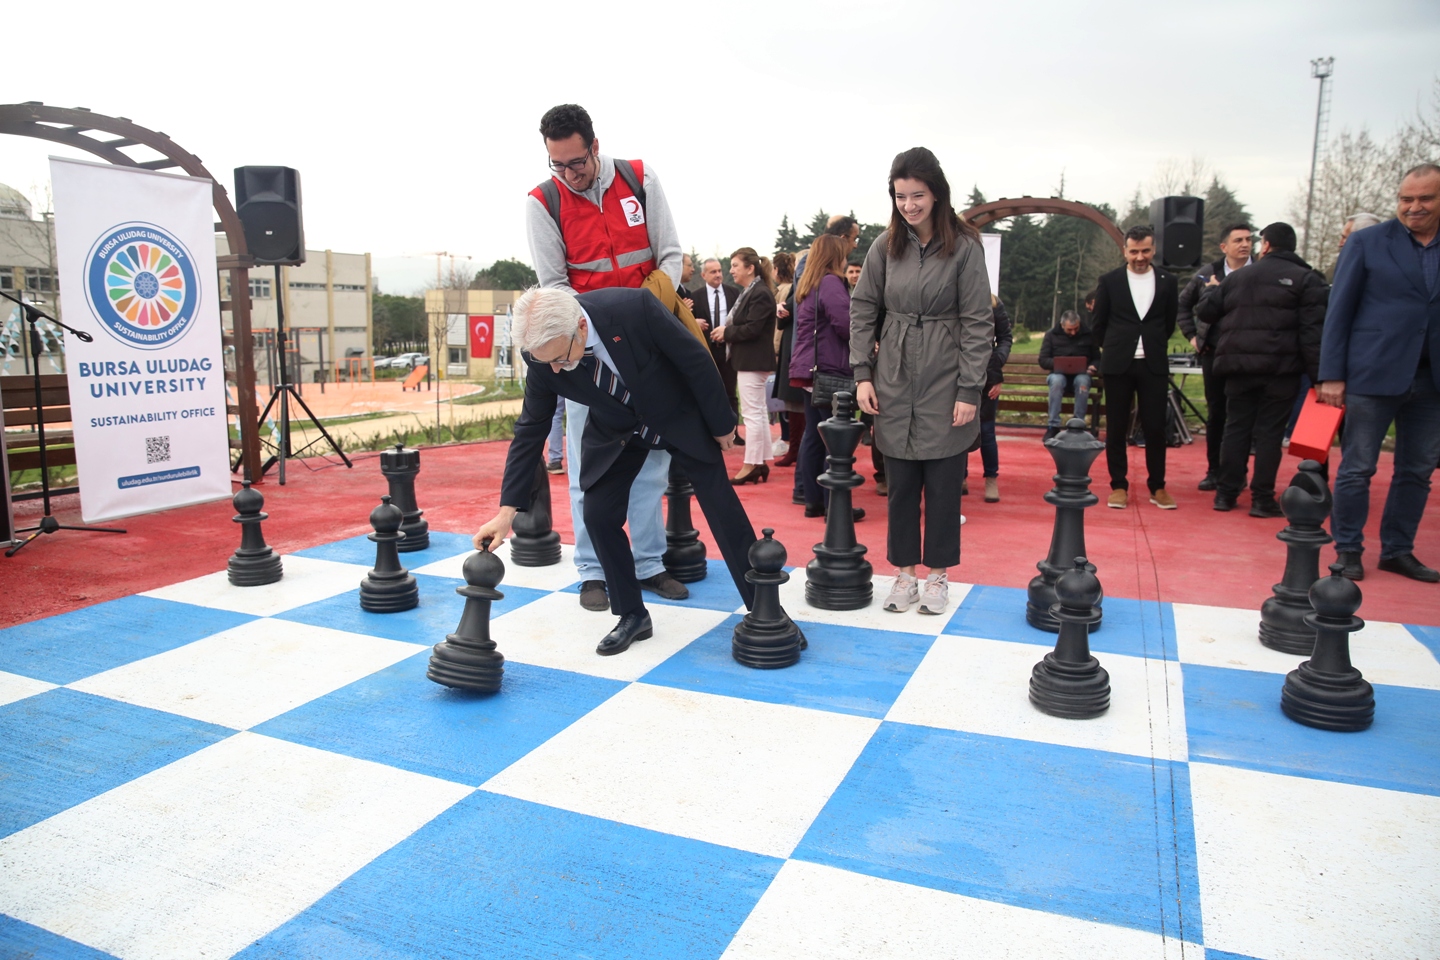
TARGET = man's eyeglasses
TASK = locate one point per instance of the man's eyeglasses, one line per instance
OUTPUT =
(574, 166)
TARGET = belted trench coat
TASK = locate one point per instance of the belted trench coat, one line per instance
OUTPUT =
(935, 341)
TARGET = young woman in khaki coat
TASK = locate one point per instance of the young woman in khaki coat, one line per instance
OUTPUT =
(921, 331)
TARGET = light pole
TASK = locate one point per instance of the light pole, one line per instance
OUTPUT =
(1320, 70)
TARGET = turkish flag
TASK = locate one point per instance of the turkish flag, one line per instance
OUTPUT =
(482, 336)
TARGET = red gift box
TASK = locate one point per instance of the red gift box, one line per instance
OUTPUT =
(1315, 430)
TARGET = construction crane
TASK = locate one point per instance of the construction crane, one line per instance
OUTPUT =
(439, 256)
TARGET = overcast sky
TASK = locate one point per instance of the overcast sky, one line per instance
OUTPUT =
(414, 126)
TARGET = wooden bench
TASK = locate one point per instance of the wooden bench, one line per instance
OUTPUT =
(1025, 390)
(22, 446)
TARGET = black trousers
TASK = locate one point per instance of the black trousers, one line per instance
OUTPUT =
(1138, 384)
(608, 501)
(727, 374)
(939, 481)
(1258, 407)
(1214, 413)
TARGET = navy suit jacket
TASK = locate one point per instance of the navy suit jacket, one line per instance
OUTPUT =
(1380, 313)
(674, 389)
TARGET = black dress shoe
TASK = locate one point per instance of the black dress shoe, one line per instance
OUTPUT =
(666, 586)
(812, 510)
(1407, 566)
(1350, 566)
(632, 627)
(1050, 433)
(1224, 502)
(1265, 508)
(1208, 483)
(797, 498)
(593, 595)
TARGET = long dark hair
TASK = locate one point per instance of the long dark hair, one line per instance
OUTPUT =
(918, 163)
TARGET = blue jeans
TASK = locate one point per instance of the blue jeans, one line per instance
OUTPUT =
(1057, 383)
(1416, 415)
(647, 519)
(557, 433)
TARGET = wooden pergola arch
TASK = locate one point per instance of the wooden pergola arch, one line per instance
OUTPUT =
(1006, 207)
(80, 128)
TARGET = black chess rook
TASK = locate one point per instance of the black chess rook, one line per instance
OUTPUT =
(839, 577)
(767, 638)
(400, 467)
(535, 543)
(389, 587)
(1306, 503)
(1070, 682)
(255, 563)
(1073, 449)
(684, 556)
(1326, 691)
(467, 659)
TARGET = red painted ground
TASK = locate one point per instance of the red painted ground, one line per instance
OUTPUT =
(1189, 555)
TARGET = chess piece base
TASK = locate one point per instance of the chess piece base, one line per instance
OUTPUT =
(1343, 702)
(389, 596)
(767, 646)
(1041, 596)
(827, 588)
(417, 537)
(1282, 625)
(686, 562)
(254, 570)
(466, 666)
(541, 551)
(1076, 691)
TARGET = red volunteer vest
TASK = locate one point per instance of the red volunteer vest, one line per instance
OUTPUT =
(609, 247)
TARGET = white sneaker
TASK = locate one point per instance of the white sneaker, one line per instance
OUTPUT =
(937, 593)
(779, 448)
(962, 519)
(905, 591)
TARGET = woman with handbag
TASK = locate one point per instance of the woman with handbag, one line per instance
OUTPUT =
(923, 386)
(820, 356)
(749, 338)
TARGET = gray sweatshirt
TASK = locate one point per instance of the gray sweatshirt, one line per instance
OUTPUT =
(547, 247)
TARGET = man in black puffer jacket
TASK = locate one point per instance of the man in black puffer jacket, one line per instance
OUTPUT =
(1265, 323)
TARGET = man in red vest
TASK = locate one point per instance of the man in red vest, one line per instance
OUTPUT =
(601, 222)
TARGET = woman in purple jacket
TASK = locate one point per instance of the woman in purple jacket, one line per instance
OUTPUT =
(822, 341)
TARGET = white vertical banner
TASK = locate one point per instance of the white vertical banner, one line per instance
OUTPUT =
(136, 256)
(990, 243)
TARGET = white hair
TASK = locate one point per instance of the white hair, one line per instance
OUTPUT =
(542, 315)
(1363, 220)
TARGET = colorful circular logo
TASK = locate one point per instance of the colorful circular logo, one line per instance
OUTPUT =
(142, 286)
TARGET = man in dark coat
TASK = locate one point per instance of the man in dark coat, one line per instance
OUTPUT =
(648, 383)
(1235, 244)
(1380, 360)
(1070, 339)
(1265, 323)
(1134, 317)
(712, 309)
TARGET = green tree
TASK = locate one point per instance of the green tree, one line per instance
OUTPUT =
(787, 240)
(505, 275)
(397, 318)
(975, 199)
(816, 227)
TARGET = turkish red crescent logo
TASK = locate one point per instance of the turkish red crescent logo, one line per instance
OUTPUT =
(632, 206)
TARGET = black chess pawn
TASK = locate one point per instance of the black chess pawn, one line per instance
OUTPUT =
(1326, 691)
(1070, 682)
(839, 578)
(255, 563)
(389, 588)
(1073, 449)
(1306, 504)
(684, 556)
(400, 467)
(534, 543)
(467, 658)
(767, 638)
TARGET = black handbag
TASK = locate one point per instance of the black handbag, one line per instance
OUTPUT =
(826, 385)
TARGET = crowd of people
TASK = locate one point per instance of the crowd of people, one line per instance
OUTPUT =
(911, 328)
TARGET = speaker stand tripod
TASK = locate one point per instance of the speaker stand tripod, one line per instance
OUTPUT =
(284, 392)
(48, 523)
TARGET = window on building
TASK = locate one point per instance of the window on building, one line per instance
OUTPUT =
(259, 288)
(7, 278)
(457, 356)
(42, 281)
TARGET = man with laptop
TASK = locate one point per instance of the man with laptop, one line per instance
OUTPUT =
(1069, 353)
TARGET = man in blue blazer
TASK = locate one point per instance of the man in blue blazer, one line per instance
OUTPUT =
(1380, 359)
(648, 383)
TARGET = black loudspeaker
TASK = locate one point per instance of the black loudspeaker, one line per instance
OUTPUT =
(268, 202)
(1179, 230)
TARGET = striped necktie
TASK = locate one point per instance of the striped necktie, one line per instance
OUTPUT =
(609, 381)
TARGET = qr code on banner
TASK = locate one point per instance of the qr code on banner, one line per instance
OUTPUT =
(157, 449)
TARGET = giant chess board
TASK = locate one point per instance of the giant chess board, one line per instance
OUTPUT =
(203, 771)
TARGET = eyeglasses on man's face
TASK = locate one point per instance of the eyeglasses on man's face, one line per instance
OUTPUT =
(574, 166)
